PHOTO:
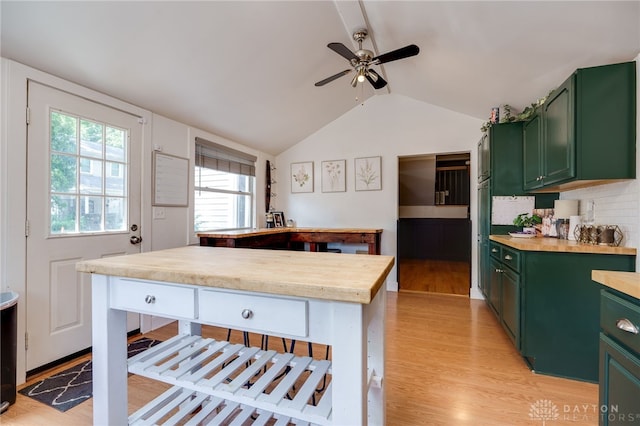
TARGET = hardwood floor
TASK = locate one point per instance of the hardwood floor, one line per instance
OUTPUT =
(448, 363)
(436, 276)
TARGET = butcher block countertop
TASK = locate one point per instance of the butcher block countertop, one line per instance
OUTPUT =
(625, 282)
(268, 231)
(558, 245)
(329, 276)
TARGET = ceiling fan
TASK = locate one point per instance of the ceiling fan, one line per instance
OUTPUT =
(362, 59)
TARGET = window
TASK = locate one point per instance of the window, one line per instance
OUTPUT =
(224, 188)
(85, 194)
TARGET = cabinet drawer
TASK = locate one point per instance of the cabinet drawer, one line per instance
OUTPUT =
(495, 250)
(151, 298)
(265, 314)
(616, 313)
(510, 258)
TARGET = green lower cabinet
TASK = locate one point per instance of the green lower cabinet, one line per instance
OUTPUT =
(504, 290)
(619, 358)
(495, 287)
(511, 305)
(550, 307)
(561, 311)
(619, 384)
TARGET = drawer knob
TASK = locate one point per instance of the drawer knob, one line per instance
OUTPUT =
(494, 250)
(508, 257)
(247, 313)
(626, 325)
(150, 299)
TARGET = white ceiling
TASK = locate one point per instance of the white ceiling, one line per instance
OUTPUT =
(246, 70)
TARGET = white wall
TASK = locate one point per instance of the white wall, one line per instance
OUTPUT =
(174, 138)
(388, 126)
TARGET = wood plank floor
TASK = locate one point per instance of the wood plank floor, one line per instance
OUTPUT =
(436, 276)
(448, 363)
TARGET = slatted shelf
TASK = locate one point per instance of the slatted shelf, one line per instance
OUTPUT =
(232, 384)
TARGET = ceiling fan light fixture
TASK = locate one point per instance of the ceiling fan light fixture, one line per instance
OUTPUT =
(354, 81)
(361, 75)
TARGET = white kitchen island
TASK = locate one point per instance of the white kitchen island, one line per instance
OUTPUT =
(326, 298)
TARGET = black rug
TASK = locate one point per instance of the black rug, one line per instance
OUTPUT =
(70, 387)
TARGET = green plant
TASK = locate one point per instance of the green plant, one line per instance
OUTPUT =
(527, 220)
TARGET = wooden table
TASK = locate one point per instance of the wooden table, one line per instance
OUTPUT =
(288, 237)
(318, 297)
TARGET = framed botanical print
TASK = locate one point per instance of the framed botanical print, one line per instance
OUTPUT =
(302, 177)
(334, 176)
(368, 173)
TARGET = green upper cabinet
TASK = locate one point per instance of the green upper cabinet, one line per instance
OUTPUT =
(532, 152)
(585, 132)
(505, 156)
(558, 135)
(484, 159)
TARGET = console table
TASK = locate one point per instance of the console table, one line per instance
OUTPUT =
(288, 237)
(317, 297)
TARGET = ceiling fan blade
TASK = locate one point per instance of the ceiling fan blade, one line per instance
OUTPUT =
(375, 79)
(394, 55)
(333, 77)
(343, 51)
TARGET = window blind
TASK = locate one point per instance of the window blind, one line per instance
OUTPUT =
(213, 156)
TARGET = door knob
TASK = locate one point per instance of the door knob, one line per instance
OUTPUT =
(135, 239)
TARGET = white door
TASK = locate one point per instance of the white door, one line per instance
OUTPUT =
(83, 202)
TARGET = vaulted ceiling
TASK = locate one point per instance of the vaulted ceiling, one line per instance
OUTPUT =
(246, 70)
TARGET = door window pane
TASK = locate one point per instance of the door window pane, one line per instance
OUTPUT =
(63, 173)
(91, 179)
(63, 214)
(91, 139)
(116, 144)
(115, 179)
(63, 132)
(116, 214)
(90, 214)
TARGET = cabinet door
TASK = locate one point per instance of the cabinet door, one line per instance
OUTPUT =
(495, 286)
(532, 153)
(619, 383)
(484, 158)
(511, 305)
(559, 135)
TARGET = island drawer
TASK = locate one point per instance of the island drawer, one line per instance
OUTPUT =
(152, 298)
(250, 312)
(511, 258)
(495, 250)
(620, 319)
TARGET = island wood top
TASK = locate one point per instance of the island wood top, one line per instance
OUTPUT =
(625, 282)
(241, 233)
(559, 245)
(329, 276)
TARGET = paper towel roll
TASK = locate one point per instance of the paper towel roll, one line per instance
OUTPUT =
(574, 222)
(565, 208)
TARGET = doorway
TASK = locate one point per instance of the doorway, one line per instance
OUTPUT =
(434, 227)
(83, 202)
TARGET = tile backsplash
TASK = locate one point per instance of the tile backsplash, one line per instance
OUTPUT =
(615, 204)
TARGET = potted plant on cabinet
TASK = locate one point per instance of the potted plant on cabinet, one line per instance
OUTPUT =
(528, 222)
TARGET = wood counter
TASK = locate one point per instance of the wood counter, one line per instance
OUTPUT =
(625, 282)
(558, 245)
(346, 278)
(286, 237)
